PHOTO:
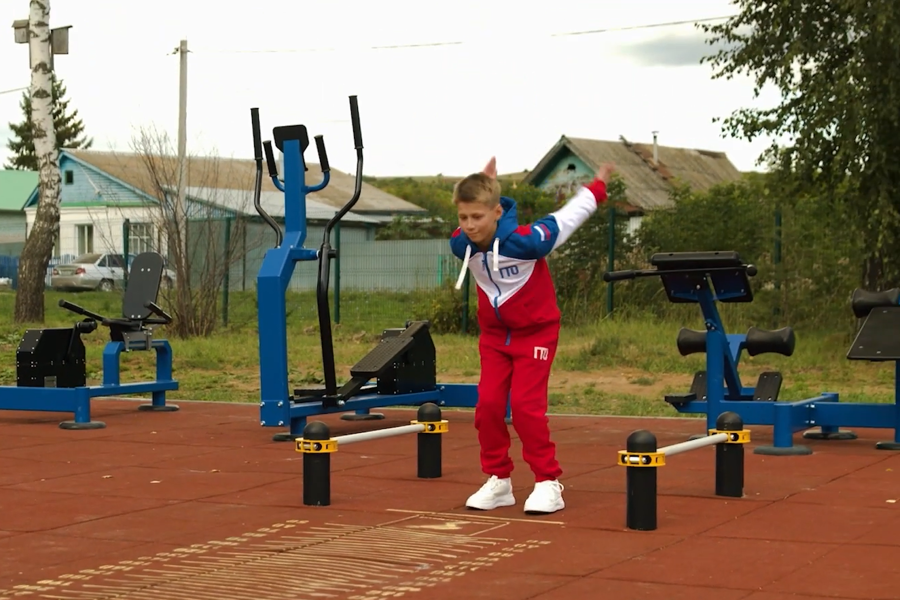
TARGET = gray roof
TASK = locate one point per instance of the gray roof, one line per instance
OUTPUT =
(238, 174)
(271, 202)
(648, 184)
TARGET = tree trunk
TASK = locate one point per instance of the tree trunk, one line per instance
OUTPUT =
(873, 272)
(39, 243)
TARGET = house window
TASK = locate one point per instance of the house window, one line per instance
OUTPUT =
(69, 177)
(84, 236)
(140, 238)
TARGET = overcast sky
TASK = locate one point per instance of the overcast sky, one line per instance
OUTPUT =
(505, 81)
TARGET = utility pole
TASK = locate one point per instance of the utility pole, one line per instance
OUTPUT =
(180, 213)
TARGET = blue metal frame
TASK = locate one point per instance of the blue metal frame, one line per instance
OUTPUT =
(277, 408)
(726, 393)
(77, 400)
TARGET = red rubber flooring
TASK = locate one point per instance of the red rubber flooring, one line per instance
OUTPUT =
(201, 504)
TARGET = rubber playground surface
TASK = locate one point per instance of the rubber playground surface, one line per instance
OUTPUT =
(202, 504)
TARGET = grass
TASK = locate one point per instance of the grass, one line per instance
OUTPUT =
(621, 367)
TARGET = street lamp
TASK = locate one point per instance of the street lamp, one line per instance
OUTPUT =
(59, 38)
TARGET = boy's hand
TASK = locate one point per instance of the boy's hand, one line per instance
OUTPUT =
(491, 168)
(605, 171)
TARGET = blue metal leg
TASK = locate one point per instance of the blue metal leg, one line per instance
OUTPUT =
(830, 432)
(111, 363)
(783, 431)
(163, 373)
(82, 412)
(298, 424)
(362, 414)
(895, 445)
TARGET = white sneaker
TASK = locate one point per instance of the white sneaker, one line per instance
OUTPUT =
(546, 498)
(494, 493)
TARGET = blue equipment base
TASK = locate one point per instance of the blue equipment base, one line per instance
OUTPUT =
(447, 395)
(705, 278)
(824, 412)
(77, 400)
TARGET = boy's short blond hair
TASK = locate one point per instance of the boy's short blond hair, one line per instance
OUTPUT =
(477, 187)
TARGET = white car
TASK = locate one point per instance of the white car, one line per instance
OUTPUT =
(96, 271)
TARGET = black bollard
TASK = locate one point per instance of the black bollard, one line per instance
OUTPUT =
(429, 441)
(316, 446)
(641, 481)
(730, 456)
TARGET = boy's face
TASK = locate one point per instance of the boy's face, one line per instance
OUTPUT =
(478, 221)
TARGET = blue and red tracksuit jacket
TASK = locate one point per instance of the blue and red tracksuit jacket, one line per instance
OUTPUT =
(515, 289)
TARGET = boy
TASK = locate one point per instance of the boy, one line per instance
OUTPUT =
(519, 320)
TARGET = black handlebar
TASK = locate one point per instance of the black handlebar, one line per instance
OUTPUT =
(80, 311)
(619, 275)
(270, 159)
(357, 138)
(323, 156)
(155, 309)
(257, 191)
(354, 117)
(634, 274)
(257, 134)
(326, 254)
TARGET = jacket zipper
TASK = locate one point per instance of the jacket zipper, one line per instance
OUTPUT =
(496, 298)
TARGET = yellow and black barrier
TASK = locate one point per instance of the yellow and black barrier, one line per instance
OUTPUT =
(642, 458)
(317, 446)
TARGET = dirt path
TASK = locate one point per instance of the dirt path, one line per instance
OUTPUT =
(611, 381)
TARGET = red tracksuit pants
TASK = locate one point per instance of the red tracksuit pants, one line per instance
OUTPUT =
(518, 371)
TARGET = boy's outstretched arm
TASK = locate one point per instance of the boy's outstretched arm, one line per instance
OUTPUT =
(549, 233)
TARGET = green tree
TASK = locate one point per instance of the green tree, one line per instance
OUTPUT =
(836, 66)
(69, 130)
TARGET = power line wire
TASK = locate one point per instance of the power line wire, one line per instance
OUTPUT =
(460, 42)
(647, 26)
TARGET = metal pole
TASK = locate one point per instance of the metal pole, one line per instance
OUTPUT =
(126, 246)
(710, 440)
(182, 152)
(611, 258)
(337, 273)
(226, 283)
(366, 436)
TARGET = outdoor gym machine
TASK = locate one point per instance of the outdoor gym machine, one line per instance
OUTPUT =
(51, 374)
(403, 363)
(703, 278)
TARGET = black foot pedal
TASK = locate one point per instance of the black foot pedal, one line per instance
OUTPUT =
(698, 385)
(362, 417)
(678, 400)
(697, 391)
(381, 357)
(768, 386)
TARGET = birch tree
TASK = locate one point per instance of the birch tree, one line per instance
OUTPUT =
(39, 243)
(835, 64)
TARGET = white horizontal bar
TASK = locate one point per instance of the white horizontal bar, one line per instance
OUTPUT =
(365, 436)
(710, 440)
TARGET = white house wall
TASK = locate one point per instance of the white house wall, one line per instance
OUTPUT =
(107, 223)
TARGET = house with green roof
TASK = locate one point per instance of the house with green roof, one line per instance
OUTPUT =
(15, 188)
